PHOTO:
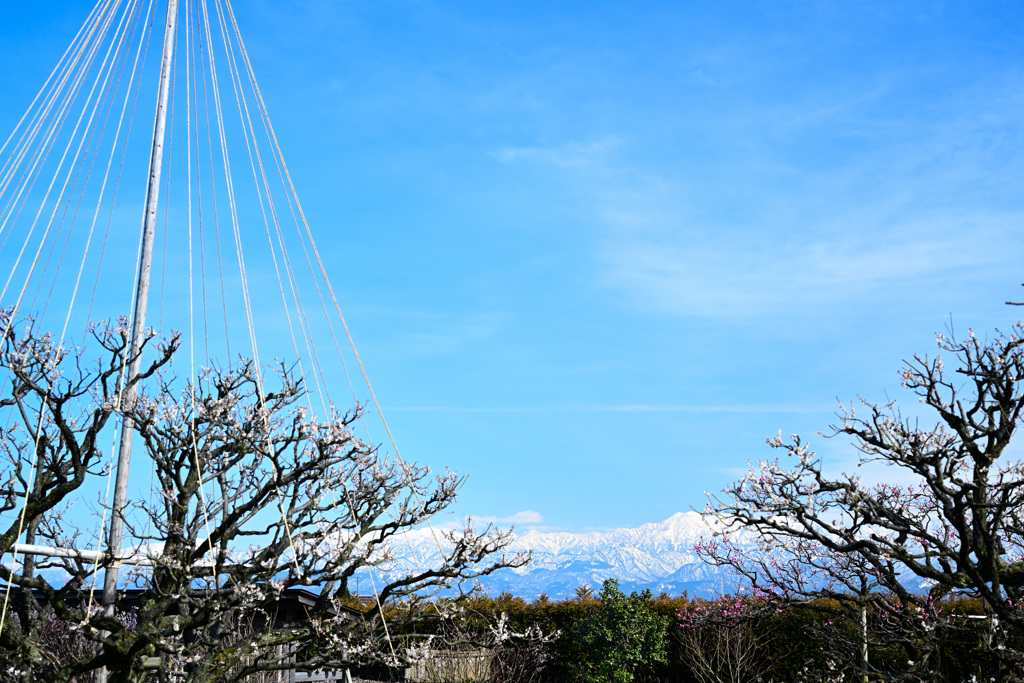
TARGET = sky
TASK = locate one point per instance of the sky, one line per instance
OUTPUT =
(595, 254)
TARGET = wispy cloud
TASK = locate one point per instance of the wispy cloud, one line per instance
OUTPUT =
(751, 278)
(803, 204)
(635, 408)
(569, 155)
(521, 517)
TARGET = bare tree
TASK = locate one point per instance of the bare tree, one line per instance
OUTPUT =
(955, 527)
(254, 495)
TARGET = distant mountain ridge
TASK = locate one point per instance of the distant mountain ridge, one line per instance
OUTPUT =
(658, 556)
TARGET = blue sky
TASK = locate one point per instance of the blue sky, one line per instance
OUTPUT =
(594, 254)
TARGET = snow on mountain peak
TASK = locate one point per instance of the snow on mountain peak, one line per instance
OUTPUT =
(657, 555)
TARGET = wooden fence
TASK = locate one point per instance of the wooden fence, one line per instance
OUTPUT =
(451, 666)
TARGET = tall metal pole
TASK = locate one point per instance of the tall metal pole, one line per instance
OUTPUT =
(139, 317)
(864, 641)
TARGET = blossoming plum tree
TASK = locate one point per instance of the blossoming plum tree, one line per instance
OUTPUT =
(954, 527)
(253, 495)
(726, 639)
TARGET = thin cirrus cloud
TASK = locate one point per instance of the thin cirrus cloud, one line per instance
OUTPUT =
(897, 198)
(570, 155)
(797, 258)
(766, 408)
(743, 280)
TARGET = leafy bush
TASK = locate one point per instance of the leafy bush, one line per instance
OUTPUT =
(620, 639)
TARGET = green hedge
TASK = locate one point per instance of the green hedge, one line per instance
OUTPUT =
(796, 638)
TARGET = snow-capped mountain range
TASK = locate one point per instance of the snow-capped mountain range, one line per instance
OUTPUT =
(658, 556)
